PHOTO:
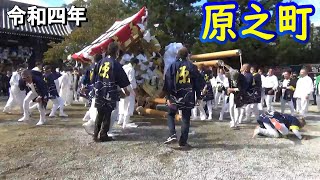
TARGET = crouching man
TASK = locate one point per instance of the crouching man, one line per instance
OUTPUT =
(271, 124)
(51, 81)
(38, 92)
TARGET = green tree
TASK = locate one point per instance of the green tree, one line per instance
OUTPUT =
(179, 20)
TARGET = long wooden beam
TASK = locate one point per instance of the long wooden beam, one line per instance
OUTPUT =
(154, 113)
(156, 100)
(216, 55)
(215, 63)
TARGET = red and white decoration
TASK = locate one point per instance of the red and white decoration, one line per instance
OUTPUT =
(121, 32)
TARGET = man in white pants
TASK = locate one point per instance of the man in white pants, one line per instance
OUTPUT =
(270, 84)
(38, 92)
(237, 97)
(53, 95)
(200, 104)
(274, 124)
(317, 88)
(263, 94)
(287, 91)
(126, 105)
(303, 92)
(226, 104)
(16, 95)
(220, 93)
(255, 90)
(65, 84)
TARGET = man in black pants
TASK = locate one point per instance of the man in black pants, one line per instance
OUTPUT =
(107, 75)
(182, 81)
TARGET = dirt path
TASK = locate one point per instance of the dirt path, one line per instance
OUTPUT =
(62, 150)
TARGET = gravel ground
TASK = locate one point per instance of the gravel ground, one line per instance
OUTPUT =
(62, 150)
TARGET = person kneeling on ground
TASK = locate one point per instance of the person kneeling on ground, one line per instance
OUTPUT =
(271, 124)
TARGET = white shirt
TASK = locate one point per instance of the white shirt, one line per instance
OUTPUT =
(65, 81)
(213, 82)
(129, 70)
(36, 69)
(226, 82)
(304, 87)
(14, 80)
(220, 79)
(285, 84)
(262, 79)
(271, 82)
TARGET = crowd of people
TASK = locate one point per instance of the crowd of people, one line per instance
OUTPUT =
(110, 87)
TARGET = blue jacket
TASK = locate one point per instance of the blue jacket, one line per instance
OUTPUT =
(249, 79)
(52, 89)
(37, 73)
(56, 75)
(256, 88)
(290, 122)
(108, 74)
(182, 82)
(40, 87)
(88, 82)
(241, 97)
(208, 96)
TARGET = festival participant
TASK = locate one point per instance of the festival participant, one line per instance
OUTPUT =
(65, 84)
(182, 81)
(53, 95)
(75, 85)
(304, 90)
(287, 90)
(237, 97)
(108, 74)
(56, 75)
(207, 93)
(69, 98)
(91, 114)
(317, 87)
(38, 92)
(16, 96)
(87, 86)
(126, 104)
(271, 85)
(245, 69)
(220, 93)
(271, 125)
(37, 70)
(225, 105)
(263, 95)
(294, 80)
(200, 104)
(255, 91)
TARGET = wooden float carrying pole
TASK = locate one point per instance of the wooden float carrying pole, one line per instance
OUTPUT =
(156, 100)
(215, 63)
(216, 55)
(155, 113)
